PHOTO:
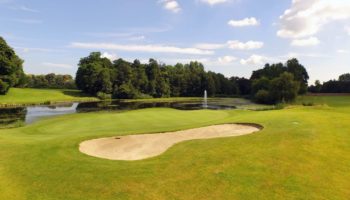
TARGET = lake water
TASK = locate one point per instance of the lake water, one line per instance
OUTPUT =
(30, 114)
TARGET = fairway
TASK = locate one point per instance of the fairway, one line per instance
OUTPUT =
(25, 96)
(302, 153)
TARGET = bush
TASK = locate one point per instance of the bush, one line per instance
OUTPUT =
(103, 96)
(308, 104)
(4, 87)
(262, 96)
(125, 91)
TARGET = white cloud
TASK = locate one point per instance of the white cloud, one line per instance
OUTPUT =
(342, 51)
(235, 44)
(347, 29)
(136, 38)
(110, 56)
(226, 59)
(306, 18)
(171, 5)
(181, 60)
(312, 41)
(252, 21)
(150, 48)
(214, 2)
(25, 8)
(210, 46)
(304, 55)
(254, 60)
(29, 21)
(59, 65)
(34, 49)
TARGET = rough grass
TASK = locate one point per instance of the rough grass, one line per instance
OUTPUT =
(302, 153)
(17, 96)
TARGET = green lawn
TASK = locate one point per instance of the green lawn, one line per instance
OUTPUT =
(302, 153)
(34, 96)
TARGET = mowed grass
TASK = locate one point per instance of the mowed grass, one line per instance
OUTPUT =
(302, 153)
(33, 96)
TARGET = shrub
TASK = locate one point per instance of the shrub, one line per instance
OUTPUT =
(262, 96)
(103, 96)
(4, 87)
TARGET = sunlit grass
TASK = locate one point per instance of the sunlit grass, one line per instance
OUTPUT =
(302, 153)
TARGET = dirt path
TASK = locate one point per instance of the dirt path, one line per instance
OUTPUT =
(137, 147)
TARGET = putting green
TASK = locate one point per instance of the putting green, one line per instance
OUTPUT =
(302, 153)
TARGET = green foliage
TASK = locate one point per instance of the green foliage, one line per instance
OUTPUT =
(11, 71)
(103, 96)
(262, 83)
(344, 77)
(53, 81)
(4, 87)
(262, 96)
(278, 83)
(275, 70)
(94, 74)
(125, 91)
(342, 85)
(284, 88)
(278, 90)
(123, 79)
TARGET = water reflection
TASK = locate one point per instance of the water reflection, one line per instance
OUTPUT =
(12, 116)
(15, 116)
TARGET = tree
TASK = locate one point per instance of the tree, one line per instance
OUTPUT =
(244, 85)
(93, 73)
(317, 87)
(344, 77)
(262, 83)
(11, 70)
(263, 96)
(275, 70)
(284, 88)
(300, 74)
(55, 81)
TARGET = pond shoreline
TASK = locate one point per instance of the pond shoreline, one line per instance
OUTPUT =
(46, 103)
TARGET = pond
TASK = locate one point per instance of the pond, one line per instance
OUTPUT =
(12, 117)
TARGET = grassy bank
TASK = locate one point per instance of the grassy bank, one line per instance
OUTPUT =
(27, 96)
(302, 153)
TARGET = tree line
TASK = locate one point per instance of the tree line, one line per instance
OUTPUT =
(122, 79)
(52, 81)
(341, 85)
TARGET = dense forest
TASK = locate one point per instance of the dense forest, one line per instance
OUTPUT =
(342, 85)
(121, 79)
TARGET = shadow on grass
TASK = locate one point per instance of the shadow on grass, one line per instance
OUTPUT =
(76, 93)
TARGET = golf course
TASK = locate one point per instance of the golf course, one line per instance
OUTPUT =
(301, 153)
(175, 100)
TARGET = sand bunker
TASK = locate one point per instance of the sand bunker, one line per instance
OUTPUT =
(137, 147)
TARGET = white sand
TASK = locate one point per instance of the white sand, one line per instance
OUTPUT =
(137, 147)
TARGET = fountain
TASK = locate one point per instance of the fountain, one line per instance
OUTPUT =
(205, 101)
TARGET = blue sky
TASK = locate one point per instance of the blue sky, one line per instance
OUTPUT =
(232, 37)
